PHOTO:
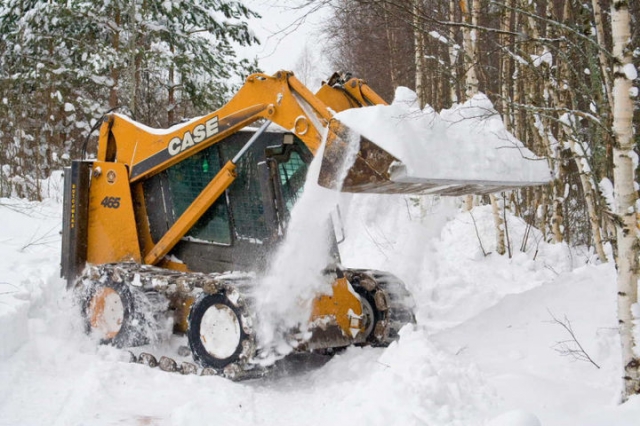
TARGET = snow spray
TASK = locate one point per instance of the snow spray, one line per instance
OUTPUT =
(295, 275)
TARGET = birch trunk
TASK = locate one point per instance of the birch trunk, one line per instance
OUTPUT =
(602, 58)
(506, 67)
(133, 60)
(453, 54)
(588, 188)
(557, 218)
(391, 45)
(418, 40)
(470, 9)
(115, 72)
(470, 12)
(625, 195)
(559, 188)
(499, 222)
(587, 180)
(171, 95)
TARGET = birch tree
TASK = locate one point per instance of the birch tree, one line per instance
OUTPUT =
(625, 159)
(418, 39)
(470, 11)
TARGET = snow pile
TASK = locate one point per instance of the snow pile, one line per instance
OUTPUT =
(467, 142)
(515, 418)
(465, 254)
(439, 252)
(431, 387)
(13, 321)
(519, 345)
(29, 249)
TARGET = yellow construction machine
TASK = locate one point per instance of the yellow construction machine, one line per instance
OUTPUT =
(153, 224)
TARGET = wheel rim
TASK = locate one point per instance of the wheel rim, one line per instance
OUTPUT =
(106, 312)
(220, 331)
(368, 314)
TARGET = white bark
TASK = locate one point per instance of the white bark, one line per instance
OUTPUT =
(499, 223)
(453, 53)
(132, 53)
(506, 67)
(602, 58)
(588, 187)
(418, 40)
(391, 45)
(470, 9)
(625, 195)
(557, 217)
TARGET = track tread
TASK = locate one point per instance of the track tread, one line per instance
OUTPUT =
(161, 284)
(399, 304)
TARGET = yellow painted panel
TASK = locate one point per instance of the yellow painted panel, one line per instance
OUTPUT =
(343, 305)
(338, 100)
(112, 235)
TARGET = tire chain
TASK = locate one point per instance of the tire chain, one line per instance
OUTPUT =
(168, 283)
(391, 298)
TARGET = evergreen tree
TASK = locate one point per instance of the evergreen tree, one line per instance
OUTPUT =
(64, 63)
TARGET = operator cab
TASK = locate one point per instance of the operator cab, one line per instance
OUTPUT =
(241, 228)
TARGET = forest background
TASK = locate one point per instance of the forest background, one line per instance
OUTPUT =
(550, 67)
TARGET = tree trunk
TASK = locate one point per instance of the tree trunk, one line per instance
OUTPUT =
(589, 190)
(453, 54)
(133, 58)
(625, 194)
(499, 222)
(115, 71)
(557, 217)
(505, 63)
(418, 45)
(470, 37)
(391, 46)
(602, 58)
(171, 98)
(470, 11)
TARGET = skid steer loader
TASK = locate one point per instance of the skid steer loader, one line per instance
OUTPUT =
(151, 225)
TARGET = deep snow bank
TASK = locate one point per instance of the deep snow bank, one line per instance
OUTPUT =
(439, 252)
(29, 253)
(522, 349)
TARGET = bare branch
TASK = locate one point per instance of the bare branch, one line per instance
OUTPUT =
(570, 348)
(475, 226)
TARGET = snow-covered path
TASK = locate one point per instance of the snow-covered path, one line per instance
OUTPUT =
(482, 353)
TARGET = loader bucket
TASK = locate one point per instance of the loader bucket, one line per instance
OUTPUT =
(377, 171)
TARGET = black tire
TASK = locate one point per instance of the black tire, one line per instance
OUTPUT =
(132, 330)
(200, 353)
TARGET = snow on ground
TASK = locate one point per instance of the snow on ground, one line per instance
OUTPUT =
(483, 352)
